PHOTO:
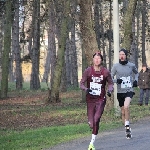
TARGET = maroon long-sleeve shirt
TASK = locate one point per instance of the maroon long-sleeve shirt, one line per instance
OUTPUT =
(98, 77)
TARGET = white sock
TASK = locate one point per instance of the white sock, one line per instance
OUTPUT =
(93, 139)
(126, 123)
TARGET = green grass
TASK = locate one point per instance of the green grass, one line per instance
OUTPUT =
(72, 119)
(26, 86)
(40, 138)
(46, 137)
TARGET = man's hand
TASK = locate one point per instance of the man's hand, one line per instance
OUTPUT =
(135, 83)
(119, 81)
(109, 94)
(88, 90)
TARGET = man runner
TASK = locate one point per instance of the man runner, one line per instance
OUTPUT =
(124, 78)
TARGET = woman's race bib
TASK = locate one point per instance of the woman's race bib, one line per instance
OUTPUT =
(96, 88)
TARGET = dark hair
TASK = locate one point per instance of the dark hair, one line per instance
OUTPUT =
(98, 54)
(125, 51)
(144, 65)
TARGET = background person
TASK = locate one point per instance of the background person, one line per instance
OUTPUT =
(96, 77)
(144, 84)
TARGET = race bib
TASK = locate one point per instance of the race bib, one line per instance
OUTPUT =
(126, 83)
(96, 88)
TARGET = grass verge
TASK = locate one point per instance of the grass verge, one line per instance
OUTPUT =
(63, 122)
(46, 137)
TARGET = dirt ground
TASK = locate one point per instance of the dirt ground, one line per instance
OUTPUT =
(21, 111)
(30, 110)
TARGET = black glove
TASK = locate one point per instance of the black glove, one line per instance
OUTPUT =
(88, 90)
(109, 94)
(119, 81)
(135, 83)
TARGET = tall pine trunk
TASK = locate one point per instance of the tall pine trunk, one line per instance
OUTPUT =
(16, 47)
(102, 32)
(51, 53)
(138, 33)
(73, 46)
(110, 35)
(7, 45)
(127, 24)
(89, 43)
(143, 30)
(54, 92)
(68, 63)
(97, 24)
(35, 51)
(1, 42)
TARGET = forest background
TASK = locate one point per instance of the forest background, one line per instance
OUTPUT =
(53, 41)
(44, 47)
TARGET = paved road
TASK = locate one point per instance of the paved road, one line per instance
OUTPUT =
(115, 140)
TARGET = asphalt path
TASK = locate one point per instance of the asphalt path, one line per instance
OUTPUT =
(115, 139)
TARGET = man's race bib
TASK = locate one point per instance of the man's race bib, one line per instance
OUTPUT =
(126, 83)
(96, 88)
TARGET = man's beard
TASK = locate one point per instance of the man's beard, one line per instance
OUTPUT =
(123, 62)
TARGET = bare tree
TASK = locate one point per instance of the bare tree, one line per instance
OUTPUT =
(7, 45)
(16, 47)
(143, 30)
(102, 33)
(110, 35)
(89, 43)
(68, 63)
(137, 32)
(1, 33)
(127, 24)
(54, 92)
(71, 53)
(35, 51)
(97, 22)
(51, 52)
(73, 49)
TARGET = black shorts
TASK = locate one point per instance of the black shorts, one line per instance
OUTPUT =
(121, 97)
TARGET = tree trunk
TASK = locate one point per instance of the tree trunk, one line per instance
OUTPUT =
(73, 47)
(127, 24)
(143, 30)
(51, 53)
(1, 41)
(7, 45)
(96, 20)
(16, 48)
(47, 66)
(68, 63)
(102, 32)
(137, 37)
(89, 42)
(84, 66)
(63, 85)
(110, 39)
(1, 46)
(11, 75)
(35, 82)
(133, 46)
(54, 92)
